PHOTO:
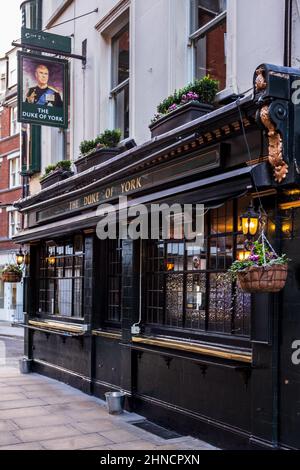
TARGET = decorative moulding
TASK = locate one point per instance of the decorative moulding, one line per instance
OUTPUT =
(107, 22)
(275, 146)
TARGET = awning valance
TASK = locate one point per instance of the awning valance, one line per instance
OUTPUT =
(204, 191)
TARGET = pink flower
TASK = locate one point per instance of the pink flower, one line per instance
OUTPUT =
(254, 258)
(173, 107)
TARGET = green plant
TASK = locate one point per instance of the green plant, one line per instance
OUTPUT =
(109, 138)
(259, 256)
(11, 268)
(62, 165)
(49, 169)
(203, 90)
(86, 146)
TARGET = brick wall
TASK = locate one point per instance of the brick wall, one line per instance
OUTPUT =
(8, 144)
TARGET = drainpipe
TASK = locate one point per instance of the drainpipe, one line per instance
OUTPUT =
(287, 60)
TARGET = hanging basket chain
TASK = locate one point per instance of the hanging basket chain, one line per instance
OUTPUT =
(262, 237)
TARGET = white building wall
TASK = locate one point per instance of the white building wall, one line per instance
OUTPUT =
(255, 35)
(161, 59)
(296, 34)
(8, 313)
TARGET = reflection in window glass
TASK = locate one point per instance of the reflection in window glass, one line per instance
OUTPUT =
(210, 47)
(120, 80)
(61, 281)
(187, 286)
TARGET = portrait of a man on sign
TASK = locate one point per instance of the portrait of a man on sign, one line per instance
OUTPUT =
(42, 90)
(43, 93)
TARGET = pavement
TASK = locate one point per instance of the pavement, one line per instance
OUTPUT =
(38, 413)
(11, 330)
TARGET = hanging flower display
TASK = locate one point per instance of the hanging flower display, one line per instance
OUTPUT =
(263, 270)
(11, 273)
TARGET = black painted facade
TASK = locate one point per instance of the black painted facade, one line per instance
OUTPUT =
(234, 391)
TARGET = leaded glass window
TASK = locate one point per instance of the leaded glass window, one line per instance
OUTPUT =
(61, 278)
(187, 286)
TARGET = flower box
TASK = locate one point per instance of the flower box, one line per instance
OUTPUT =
(95, 158)
(270, 278)
(11, 276)
(55, 176)
(180, 116)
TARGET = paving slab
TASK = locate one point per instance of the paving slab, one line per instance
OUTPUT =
(23, 412)
(95, 425)
(44, 433)
(118, 436)
(41, 421)
(38, 413)
(7, 438)
(76, 443)
(13, 404)
(27, 446)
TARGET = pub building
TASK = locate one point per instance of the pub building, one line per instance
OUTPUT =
(204, 358)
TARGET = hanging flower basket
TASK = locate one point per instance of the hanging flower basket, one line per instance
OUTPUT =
(263, 278)
(11, 274)
(262, 271)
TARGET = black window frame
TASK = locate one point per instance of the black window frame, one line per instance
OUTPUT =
(113, 274)
(45, 252)
(187, 333)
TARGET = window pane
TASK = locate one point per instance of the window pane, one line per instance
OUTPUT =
(114, 281)
(211, 55)
(220, 303)
(187, 285)
(122, 111)
(120, 49)
(1, 294)
(206, 10)
(61, 281)
(195, 301)
(174, 300)
(155, 298)
(242, 313)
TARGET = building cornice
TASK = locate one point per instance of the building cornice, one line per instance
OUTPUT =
(112, 15)
(201, 132)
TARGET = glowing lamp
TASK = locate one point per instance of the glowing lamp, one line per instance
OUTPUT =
(20, 258)
(250, 221)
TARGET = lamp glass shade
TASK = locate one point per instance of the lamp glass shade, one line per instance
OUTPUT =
(20, 259)
(245, 225)
(250, 221)
(253, 226)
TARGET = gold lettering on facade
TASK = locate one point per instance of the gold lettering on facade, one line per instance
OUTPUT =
(131, 185)
(109, 193)
(74, 205)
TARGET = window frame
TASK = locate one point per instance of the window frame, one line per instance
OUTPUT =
(14, 174)
(206, 335)
(2, 295)
(124, 86)
(13, 221)
(113, 260)
(203, 31)
(14, 125)
(47, 280)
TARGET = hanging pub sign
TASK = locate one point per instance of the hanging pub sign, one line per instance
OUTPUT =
(42, 40)
(42, 90)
